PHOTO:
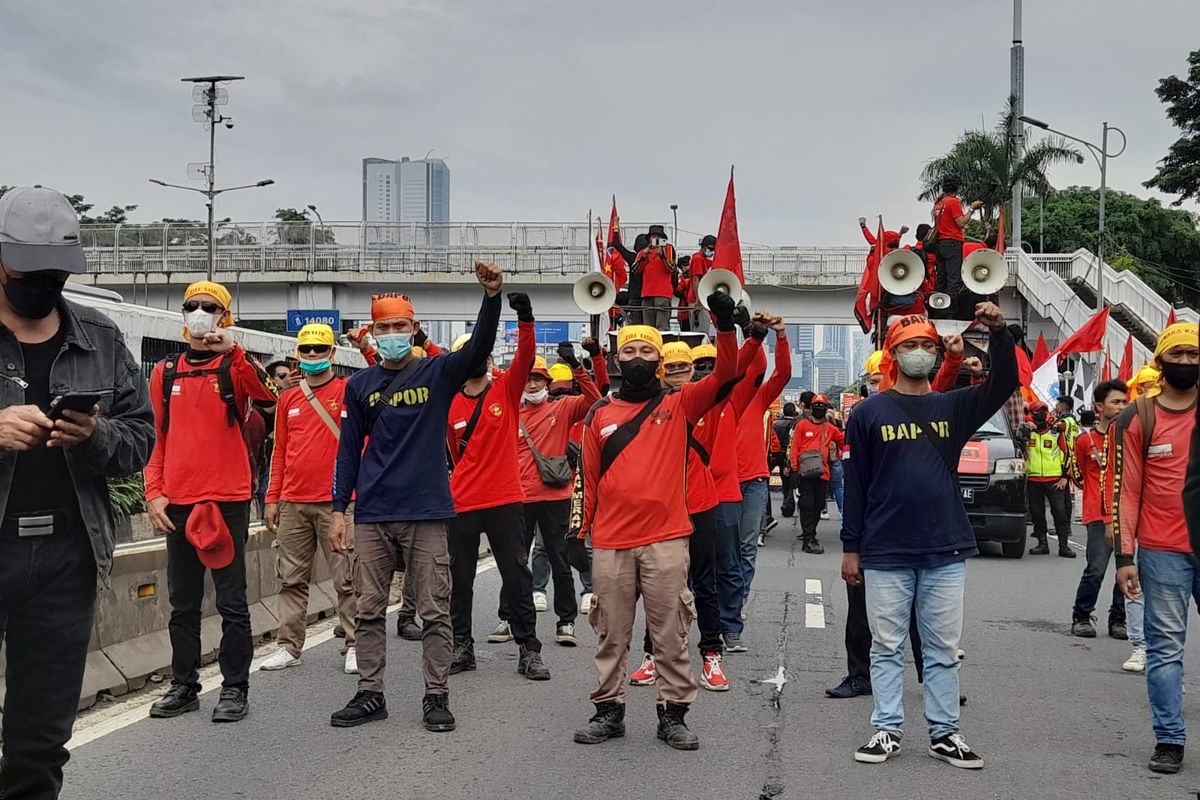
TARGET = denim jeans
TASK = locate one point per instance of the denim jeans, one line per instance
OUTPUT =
(1098, 555)
(938, 594)
(729, 567)
(1135, 620)
(837, 483)
(754, 502)
(1168, 581)
(540, 564)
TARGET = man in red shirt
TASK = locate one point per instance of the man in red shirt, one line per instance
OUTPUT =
(299, 507)
(698, 267)
(950, 220)
(1153, 436)
(816, 442)
(488, 497)
(639, 527)
(1092, 469)
(200, 468)
(656, 263)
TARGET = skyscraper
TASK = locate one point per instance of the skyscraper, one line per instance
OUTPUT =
(406, 190)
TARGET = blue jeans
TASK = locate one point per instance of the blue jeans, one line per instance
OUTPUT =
(837, 483)
(1135, 624)
(754, 503)
(1098, 555)
(729, 567)
(938, 594)
(1168, 581)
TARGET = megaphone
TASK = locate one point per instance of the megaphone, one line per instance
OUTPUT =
(984, 272)
(939, 301)
(724, 281)
(594, 293)
(901, 272)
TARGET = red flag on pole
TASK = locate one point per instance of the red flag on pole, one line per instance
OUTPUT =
(728, 253)
(1024, 368)
(1125, 370)
(614, 222)
(1089, 338)
(1041, 352)
(1170, 318)
(1000, 232)
(866, 301)
(1106, 370)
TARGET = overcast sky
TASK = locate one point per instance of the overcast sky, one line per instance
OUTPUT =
(545, 108)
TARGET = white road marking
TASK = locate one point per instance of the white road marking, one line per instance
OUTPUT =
(122, 715)
(812, 586)
(814, 606)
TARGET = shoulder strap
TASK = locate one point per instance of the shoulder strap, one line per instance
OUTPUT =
(402, 377)
(1145, 414)
(619, 439)
(472, 422)
(319, 407)
(694, 443)
(905, 405)
(537, 454)
(224, 386)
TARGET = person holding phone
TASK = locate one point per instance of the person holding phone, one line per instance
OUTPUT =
(56, 535)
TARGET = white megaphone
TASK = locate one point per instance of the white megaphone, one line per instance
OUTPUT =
(939, 301)
(594, 293)
(901, 272)
(984, 272)
(724, 281)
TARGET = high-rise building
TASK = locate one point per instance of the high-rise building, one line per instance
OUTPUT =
(407, 190)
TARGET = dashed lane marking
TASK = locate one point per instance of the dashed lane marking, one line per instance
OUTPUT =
(814, 604)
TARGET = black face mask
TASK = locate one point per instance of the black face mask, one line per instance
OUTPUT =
(638, 372)
(1040, 420)
(1181, 376)
(818, 412)
(35, 295)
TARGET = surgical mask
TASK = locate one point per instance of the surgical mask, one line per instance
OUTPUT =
(708, 252)
(916, 364)
(200, 323)
(1181, 376)
(35, 295)
(639, 371)
(315, 367)
(535, 398)
(394, 346)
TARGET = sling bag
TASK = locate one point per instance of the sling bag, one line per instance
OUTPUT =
(555, 471)
(319, 407)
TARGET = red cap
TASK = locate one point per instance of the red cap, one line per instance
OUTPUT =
(207, 532)
(819, 398)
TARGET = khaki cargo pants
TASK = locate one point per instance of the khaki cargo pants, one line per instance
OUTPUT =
(658, 573)
(303, 527)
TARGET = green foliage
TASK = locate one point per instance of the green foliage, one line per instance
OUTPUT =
(127, 496)
(1179, 171)
(297, 228)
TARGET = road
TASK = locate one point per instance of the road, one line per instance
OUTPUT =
(1053, 715)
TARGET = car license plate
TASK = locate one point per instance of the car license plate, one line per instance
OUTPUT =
(968, 495)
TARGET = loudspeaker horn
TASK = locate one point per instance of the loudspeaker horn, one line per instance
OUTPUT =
(939, 301)
(984, 272)
(901, 272)
(721, 280)
(594, 293)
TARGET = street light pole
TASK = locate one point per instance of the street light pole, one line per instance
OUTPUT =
(211, 195)
(675, 229)
(1017, 76)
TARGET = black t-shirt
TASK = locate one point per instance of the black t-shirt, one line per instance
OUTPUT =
(42, 481)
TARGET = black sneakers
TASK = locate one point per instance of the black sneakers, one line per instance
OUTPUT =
(851, 686)
(530, 664)
(178, 700)
(952, 749)
(464, 658)
(607, 723)
(812, 546)
(365, 707)
(564, 634)
(232, 706)
(1167, 758)
(437, 713)
(673, 730)
(1117, 629)
(407, 628)
(1082, 626)
(882, 746)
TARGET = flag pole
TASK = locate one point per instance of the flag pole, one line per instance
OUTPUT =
(591, 243)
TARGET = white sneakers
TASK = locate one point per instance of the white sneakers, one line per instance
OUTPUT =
(351, 667)
(280, 659)
(585, 603)
(539, 601)
(1137, 660)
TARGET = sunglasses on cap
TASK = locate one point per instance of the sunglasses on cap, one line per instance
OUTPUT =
(209, 308)
(313, 349)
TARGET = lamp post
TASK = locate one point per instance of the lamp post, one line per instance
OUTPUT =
(211, 194)
(1101, 154)
(675, 228)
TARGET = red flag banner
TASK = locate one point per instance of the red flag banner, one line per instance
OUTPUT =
(1170, 318)
(1000, 232)
(1125, 370)
(1041, 352)
(1024, 368)
(614, 222)
(1106, 370)
(728, 253)
(1089, 338)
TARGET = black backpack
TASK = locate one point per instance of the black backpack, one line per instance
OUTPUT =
(224, 387)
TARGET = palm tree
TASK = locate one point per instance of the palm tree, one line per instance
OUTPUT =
(989, 165)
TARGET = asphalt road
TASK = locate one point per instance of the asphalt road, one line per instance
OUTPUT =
(1054, 716)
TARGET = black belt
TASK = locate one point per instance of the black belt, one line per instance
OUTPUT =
(27, 524)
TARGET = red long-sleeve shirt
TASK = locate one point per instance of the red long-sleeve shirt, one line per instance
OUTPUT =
(1092, 447)
(751, 427)
(549, 424)
(698, 267)
(641, 499)
(305, 449)
(656, 274)
(203, 457)
(717, 431)
(487, 473)
(824, 437)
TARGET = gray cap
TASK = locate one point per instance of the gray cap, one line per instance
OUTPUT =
(39, 230)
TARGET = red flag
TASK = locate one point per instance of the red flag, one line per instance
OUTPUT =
(1106, 370)
(1089, 338)
(1170, 318)
(867, 298)
(728, 253)
(614, 222)
(1000, 232)
(1125, 371)
(1041, 352)
(1024, 368)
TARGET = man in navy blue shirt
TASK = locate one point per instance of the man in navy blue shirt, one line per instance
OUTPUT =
(401, 488)
(905, 531)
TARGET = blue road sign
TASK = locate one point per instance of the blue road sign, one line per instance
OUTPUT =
(297, 318)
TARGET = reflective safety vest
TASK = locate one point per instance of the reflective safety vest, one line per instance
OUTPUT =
(1046, 457)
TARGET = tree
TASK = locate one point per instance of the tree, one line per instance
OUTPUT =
(1179, 171)
(297, 228)
(1161, 245)
(988, 164)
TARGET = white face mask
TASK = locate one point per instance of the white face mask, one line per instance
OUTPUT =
(536, 397)
(200, 323)
(916, 364)
(708, 252)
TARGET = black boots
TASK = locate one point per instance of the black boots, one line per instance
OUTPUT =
(464, 658)
(1041, 548)
(607, 723)
(673, 730)
(530, 664)
(812, 546)
(1064, 546)
(407, 628)
(178, 700)
(232, 706)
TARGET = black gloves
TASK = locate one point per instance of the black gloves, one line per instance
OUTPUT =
(591, 346)
(519, 302)
(723, 310)
(566, 352)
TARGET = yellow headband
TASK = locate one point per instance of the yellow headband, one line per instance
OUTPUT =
(640, 333)
(677, 352)
(316, 333)
(1184, 333)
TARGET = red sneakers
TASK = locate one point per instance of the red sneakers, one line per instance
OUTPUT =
(712, 675)
(645, 674)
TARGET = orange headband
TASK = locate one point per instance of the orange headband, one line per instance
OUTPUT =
(913, 326)
(391, 306)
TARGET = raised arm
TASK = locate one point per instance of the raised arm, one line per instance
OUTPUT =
(518, 370)
(774, 385)
(979, 402)
(249, 378)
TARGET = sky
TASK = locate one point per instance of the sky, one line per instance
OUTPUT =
(545, 108)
